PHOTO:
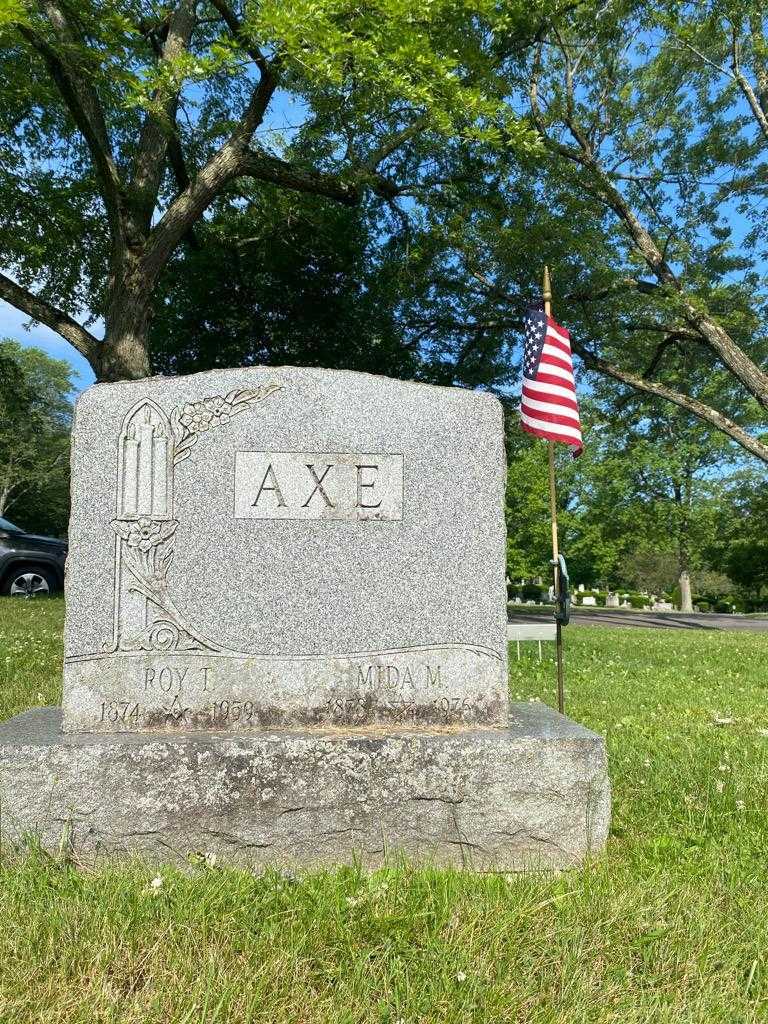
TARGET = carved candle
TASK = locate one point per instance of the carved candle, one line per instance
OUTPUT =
(130, 476)
(159, 474)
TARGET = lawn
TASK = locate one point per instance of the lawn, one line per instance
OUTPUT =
(670, 925)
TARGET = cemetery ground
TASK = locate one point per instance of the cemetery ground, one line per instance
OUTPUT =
(670, 925)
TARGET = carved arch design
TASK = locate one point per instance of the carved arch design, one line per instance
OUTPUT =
(145, 464)
(150, 445)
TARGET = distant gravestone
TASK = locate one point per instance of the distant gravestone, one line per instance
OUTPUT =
(686, 601)
(286, 635)
(612, 601)
(589, 600)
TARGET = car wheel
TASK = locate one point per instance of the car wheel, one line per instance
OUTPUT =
(29, 581)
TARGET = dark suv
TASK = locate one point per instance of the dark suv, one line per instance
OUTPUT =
(29, 565)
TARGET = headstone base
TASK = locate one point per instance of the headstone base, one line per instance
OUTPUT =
(532, 795)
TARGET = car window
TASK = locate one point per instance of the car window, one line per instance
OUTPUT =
(6, 524)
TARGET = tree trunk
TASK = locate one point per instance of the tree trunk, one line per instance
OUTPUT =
(682, 524)
(682, 494)
(6, 486)
(124, 353)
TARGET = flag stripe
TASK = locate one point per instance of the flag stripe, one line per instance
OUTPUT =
(559, 408)
(572, 415)
(557, 418)
(545, 424)
(550, 354)
(557, 333)
(547, 371)
(552, 391)
(552, 435)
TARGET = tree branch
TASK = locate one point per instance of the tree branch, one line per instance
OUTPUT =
(692, 405)
(235, 27)
(38, 309)
(83, 103)
(661, 348)
(760, 53)
(226, 164)
(491, 287)
(754, 379)
(753, 102)
(389, 146)
(265, 167)
(158, 127)
(622, 284)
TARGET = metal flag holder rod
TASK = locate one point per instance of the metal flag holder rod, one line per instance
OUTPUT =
(561, 588)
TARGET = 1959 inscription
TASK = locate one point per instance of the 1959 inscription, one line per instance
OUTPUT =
(307, 485)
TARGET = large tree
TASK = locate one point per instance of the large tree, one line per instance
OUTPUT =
(122, 121)
(628, 106)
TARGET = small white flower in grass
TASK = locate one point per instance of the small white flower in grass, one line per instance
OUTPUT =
(719, 785)
(461, 976)
(156, 883)
(740, 805)
(762, 732)
(720, 720)
(210, 860)
(723, 767)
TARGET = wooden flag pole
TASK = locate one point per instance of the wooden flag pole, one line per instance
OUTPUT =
(547, 296)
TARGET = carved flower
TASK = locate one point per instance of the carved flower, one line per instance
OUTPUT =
(196, 417)
(219, 409)
(144, 533)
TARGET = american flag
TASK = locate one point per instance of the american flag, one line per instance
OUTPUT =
(549, 407)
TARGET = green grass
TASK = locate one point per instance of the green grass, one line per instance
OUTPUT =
(670, 925)
(31, 652)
